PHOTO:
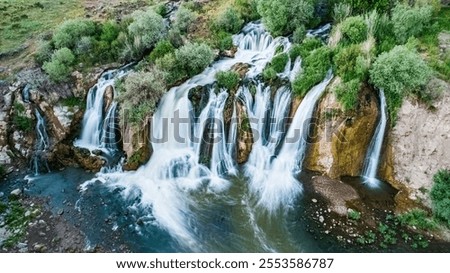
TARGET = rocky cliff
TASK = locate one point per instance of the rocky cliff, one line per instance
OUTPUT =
(340, 140)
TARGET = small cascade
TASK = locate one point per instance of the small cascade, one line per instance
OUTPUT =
(39, 161)
(372, 159)
(266, 165)
(110, 127)
(26, 93)
(95, 134)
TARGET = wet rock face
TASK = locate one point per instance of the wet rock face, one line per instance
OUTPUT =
(108, 98)
(418, 147)
(340, 140)
(244, 135)
(135, 140)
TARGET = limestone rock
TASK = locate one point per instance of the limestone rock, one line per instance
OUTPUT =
(340, 141)
(418, 147)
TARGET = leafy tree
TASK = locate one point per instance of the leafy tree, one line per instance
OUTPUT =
(229, 21)
(279, 62)
(346, 62)
(110, 31)
(409, 22)
(299, 34)
(194, 57)
(354, 30)
(146, 29)
(399, 72)
(347, 94)
(71, 31)
(440, 195)
(44, 52)
(162, 48)
(142, 91)
(60, 66)
(282, 16)
(305, 48)
(248, 9)
(184, 19)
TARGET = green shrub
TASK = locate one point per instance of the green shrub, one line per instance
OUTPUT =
(417, 218)
(363, 6)
(110, 31)
(173, 72)
(227, 79)
(146, 30)
(229, 21)
(175, 38)
(59, 68)
(20, 120)
(315, 67)
(279, 62)
(194, 57)
(433, 91)
(354, 30)
(223, 41)
(305, 48)
(399, 72)
(299, 34)
(347, 94)
(248, 9)
(160, 9)
(341, 11)
(282, 16)
(409, 22)
(84, 46)
(44, 52)
(353, 215)
(71, 31)
(142, 91)
(345, 62)
(162, 48)
(269, 74)
(184, 19)
(440, 196)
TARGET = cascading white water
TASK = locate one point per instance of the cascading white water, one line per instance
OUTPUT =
(108, 139)
(94, 132)
(265, 166)
(373, 155)
(41, 146)
(174, 175)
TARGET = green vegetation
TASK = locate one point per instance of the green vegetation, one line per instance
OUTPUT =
(16, 222)
(20, 120)
(248, 9)
(60, 66)
(141, 91)
(227, 79)
(184, 18)
(282, 16)
(408, 22)
(348, 93)
(145, 31)
(304, 49)
(162, 48)
(440, 196)
(23, 20)
(277, 65)
(72, 31)
(194, 57)
(229, 21)
(399, 72)
(354, 30)
(354, 215)
(341, 11)
(417, 218)
(315, 67)
(369, 237)
(72, 102)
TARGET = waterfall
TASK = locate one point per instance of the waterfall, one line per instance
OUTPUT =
(173, 184)
(95, 132)
(265, 166)
(39, 161)
(372, 159)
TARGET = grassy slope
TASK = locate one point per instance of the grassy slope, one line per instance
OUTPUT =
(22, 20)
(429, 44)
